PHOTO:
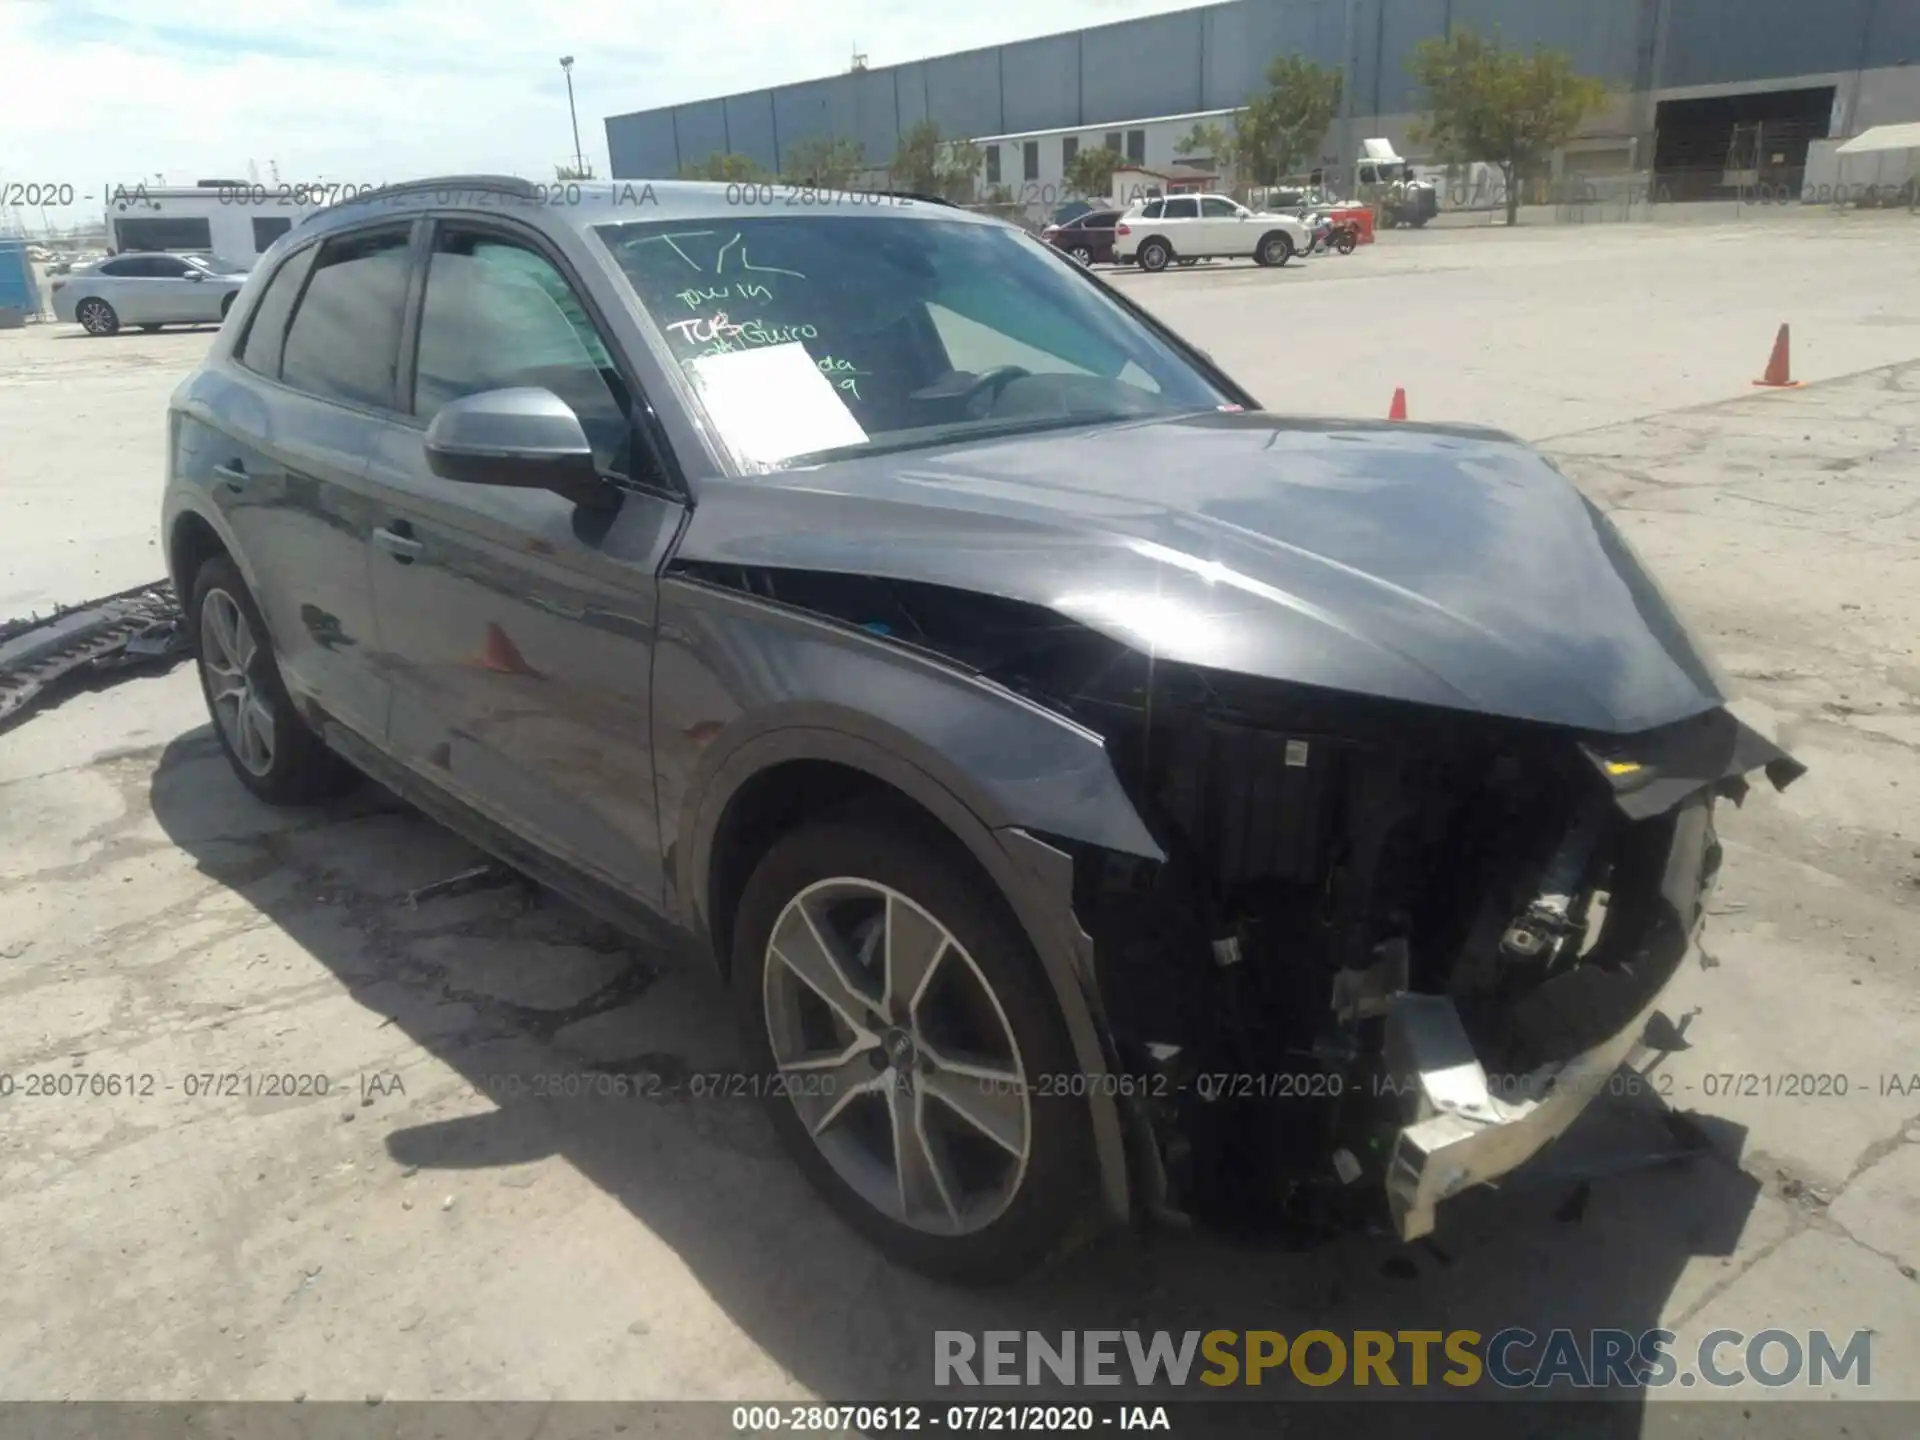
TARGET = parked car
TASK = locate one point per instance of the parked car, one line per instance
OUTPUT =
(1154, 233)
(148, 290)
(1087, 238)
(1101, 797)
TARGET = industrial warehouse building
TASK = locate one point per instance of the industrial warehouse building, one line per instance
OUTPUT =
(1708, 93)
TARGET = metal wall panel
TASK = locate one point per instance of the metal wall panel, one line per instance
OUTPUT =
(1895, 34)
(803, 112)
(1716, 42)
(963, 92)
(642, 146)
(750, 126)
(910, 94)
(863, 111)
(1141, 69)
(1600, 35)
(1242, 39)
(702, 128)
(1407, 23)
(1040, 83)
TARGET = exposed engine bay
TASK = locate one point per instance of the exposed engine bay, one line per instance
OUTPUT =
(1352, 887)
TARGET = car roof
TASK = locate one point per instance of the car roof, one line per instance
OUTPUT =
(584, 203)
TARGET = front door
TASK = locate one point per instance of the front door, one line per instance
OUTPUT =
(174, 292)
(1228, 233)
(517, 625)
(1181, 225)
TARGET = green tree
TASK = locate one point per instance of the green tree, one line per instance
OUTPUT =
(723, 165)
(828, 162)
(1278, 129)
(1091, 172)
(1485, 102)
(925, 164)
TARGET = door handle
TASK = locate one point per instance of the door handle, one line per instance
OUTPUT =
(397, 540)
(234, 474)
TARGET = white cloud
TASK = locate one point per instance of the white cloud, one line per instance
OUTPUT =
(371, 91)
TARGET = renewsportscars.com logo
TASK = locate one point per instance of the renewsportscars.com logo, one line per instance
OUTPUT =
(1512, 1359)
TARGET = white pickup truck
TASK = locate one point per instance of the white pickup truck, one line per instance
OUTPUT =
(1155, 233)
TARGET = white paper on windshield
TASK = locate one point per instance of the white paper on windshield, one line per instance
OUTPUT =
(773, 403)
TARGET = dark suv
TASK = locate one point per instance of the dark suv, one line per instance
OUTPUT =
(1100, 796)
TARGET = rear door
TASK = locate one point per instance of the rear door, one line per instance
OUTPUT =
(1180, 223)
(519, 625)
(312, 384)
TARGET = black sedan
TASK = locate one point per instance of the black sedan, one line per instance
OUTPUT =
(1087, 238)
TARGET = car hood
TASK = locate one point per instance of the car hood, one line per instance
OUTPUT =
(1443, 565)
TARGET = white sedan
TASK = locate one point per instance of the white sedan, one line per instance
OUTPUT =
(146, 290)
(1154, 233)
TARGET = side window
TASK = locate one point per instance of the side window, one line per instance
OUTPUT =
(269, 228)
(1214, 208)
(1183, 209)
(121, 268)
(1367, 176)
(168, 267)
(1152, 210)
(497, 316)
(344, 343)
(267, 331)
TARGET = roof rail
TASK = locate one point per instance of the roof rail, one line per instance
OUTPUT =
(509, 184)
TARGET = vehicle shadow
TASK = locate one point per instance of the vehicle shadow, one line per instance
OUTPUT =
(1615, 1250)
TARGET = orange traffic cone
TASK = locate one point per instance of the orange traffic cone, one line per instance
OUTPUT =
(1398, 410)
(1779, 365)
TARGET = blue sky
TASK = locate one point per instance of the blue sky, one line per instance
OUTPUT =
(102, 92)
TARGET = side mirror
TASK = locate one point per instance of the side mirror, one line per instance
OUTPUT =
(525, 438)
(196, 274)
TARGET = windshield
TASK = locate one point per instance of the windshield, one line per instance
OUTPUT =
(817, 336)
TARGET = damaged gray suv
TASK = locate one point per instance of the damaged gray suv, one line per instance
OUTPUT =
(1102, 798)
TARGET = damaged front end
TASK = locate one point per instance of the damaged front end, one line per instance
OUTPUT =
(1393, 950)
(1389, 949)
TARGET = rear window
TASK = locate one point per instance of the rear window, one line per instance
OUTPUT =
(809, 337)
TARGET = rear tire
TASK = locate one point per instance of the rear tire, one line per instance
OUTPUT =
(268, 742)
(226, 304)
(1082, 254)
(1155, 254)
(933, 967)
(97, 317)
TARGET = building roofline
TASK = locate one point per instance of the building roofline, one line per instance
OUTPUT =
(1131, 124)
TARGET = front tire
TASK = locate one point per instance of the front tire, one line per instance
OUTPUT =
(1154, 255)
(1276, 248)
(268, 742)
(97, 317)
(899, 1021)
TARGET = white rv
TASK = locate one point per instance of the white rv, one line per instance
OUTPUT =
(229, 222)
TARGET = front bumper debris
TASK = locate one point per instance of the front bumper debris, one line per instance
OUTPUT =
(1463, 1127)
(1470, 1129)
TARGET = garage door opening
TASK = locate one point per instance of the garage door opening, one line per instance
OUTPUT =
(1717, 148)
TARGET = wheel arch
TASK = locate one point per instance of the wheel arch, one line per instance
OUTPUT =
(774, 781)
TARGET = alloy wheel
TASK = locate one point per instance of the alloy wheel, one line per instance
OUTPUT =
(898, 1057)
(228, 652)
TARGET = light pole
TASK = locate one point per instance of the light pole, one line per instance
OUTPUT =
(579, 160)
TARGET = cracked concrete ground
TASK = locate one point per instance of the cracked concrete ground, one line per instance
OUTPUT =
(453, 1217)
